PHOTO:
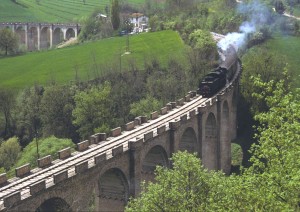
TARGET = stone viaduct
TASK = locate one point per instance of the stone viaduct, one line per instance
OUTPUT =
(37, 36)
(106, 171)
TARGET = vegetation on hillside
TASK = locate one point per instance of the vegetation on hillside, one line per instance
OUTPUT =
(12, 157)
(270, 184)
(108, 89)
(89, 60)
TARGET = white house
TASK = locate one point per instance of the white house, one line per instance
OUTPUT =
(139, 21)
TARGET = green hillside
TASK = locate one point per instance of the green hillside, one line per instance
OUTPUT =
(88, 59)
(52, 11)
(288, 46)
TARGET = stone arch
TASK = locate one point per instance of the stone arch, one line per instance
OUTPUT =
(21, 32)
(154, 157)
(58, 36)
(32, 38)
(210, 143)
(188, 141)
(53, 205)
(70, 33)
(45, 38)
(113, 190)
(225, 141)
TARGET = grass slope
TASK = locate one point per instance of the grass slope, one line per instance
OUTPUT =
(88, 59)
(62, 11)
(289, 46)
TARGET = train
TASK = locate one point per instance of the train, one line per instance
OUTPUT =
(215, 80)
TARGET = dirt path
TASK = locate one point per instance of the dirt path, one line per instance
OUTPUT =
(69, 42)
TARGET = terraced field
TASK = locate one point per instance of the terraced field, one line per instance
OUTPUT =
(89, 59)
(62, 11)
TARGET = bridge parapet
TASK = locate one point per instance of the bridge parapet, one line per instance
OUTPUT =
(100, 149)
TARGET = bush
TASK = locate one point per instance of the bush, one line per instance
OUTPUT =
(236, 154)
(9, 153)
(47, 146)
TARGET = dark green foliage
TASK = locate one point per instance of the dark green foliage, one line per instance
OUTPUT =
(28, 116)
(8, 41)
(203, 55)
(56, 112)
(9, 153)
(179, 189)
(7, 105)
(92, 110)
(127, 87)
(236, 154)
(95, 26)
(271, 183)
(163, 83)
(268, 66)
(115, 14)
(279, 7)
(145, 107)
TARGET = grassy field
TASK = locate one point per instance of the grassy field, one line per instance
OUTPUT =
(52, 11)
(289, 46)
(88, 59)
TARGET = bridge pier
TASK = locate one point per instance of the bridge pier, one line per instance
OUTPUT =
(135, 166)
(39, 38)
(34, 39)
(110, 170)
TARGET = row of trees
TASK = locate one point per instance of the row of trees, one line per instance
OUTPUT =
(78, 110)
(271, 183)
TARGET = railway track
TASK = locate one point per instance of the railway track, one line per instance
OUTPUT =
(23, 185)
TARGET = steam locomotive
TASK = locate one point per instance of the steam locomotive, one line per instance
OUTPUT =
(217, 78)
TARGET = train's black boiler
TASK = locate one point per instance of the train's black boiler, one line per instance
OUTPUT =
(217, 79)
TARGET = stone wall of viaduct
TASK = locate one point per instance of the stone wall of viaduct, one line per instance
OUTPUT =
(110, 176)
(37, 36)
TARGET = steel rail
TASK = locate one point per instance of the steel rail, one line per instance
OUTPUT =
(105, 146)
(102, 147)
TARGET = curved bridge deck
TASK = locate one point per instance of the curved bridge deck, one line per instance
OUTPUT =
(20, 188)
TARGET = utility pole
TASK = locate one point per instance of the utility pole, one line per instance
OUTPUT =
(127, 24)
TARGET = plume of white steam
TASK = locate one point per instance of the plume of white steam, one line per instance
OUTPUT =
(258, 15)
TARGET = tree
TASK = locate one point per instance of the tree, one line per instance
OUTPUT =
(203, 55)
(175, 5)
(7, 104)
(270, 184)
(203, 41)
(9, 153)
(279, 7)
(91, 27)
(275, 165)
(95, 27)
(176, 189)
(92, 110)
(8, 41)
(56, 112)
(28, 115)
(115, 14)
(268, 66)
(145, 106)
